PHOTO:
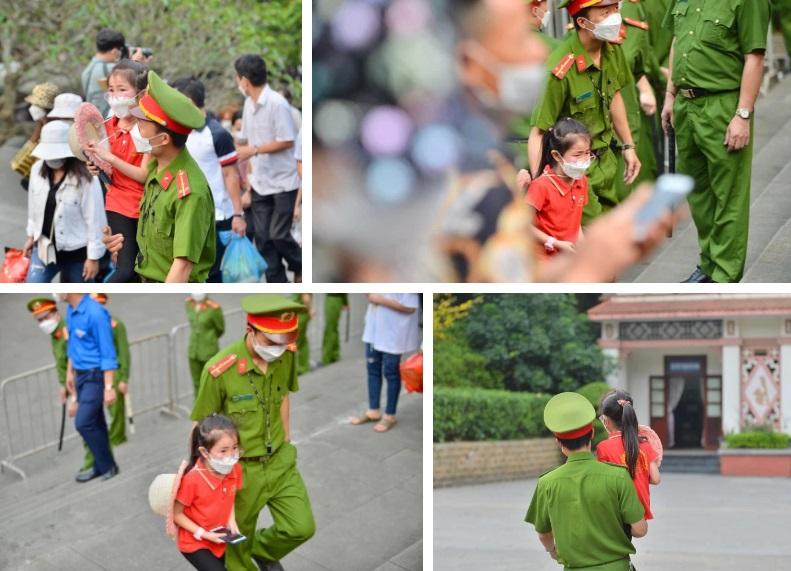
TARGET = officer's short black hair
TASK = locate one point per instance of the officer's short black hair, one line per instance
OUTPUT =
(193, 88)
(108, 39)
(581, 14)
(179, 140)
(253, 67)
(577, 443)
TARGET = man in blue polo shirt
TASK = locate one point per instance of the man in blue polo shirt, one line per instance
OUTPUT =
(92, 362)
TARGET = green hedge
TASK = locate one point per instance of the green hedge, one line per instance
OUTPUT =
(479, 414)
(758, 439)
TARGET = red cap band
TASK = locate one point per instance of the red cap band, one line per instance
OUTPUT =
(577, 5)
(149, 106)
(286, 323)
(575, 433)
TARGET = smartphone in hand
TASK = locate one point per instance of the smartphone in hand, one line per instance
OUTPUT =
(228, 537)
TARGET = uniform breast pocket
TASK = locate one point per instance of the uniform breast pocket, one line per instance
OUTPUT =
(718, 29)
(163, 224)
(243, 411)
(583, 106)
(679, 13)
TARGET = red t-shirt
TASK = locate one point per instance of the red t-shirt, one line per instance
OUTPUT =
(611, 450)
(123, 194)
(559, 204)
(207, 507)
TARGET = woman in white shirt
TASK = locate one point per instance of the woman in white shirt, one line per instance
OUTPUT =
(392, 328)
(65, 214)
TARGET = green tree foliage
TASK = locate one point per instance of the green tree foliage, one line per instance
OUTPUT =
(536, 343)
(54, 41)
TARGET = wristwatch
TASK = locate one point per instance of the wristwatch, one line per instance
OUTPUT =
(241, 215)
(744, 113)
(627, 147)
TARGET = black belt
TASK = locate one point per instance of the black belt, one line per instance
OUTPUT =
(694, 92)
(260, 459)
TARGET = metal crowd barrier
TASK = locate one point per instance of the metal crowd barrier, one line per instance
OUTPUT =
(159, 380)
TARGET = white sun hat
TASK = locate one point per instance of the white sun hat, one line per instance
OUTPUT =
(54, 142)
(65, 106)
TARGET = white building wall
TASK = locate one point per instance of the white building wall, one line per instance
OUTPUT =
(641, 364)
(785, 386)
(731, 392)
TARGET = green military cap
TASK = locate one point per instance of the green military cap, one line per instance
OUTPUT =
(39, 305)
(575, 6)
(168, 107)
(273, 315)
(569, 415)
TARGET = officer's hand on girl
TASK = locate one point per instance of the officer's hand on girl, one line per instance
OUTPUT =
(113, 242)
(738, 134)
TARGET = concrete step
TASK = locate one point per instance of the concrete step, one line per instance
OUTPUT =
(691, 464)
(774, 263)
(770, 200)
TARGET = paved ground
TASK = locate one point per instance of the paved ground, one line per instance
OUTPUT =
(702, 522)
(366, 488)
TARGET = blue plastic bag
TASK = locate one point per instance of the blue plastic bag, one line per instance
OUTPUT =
(241, 262)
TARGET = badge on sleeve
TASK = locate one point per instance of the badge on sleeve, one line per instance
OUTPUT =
(183, 183)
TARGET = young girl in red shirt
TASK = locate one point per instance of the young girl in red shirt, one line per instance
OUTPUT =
(126, 84)
(206, 495)
(560, 192)
(625, 445)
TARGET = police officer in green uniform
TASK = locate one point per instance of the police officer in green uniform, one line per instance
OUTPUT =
(582, 509)
(176, 232)
(45, 311)
(250, 382)
(334, 304)
(539, 13)
(587, 78)
(639, 98)
(207, 324)
(717, 63)
(303, 347)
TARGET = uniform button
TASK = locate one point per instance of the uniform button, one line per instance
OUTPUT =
(698, 10)
(691, 33)
(684, 55)
(716, 21)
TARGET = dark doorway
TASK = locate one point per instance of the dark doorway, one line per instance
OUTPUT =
(688, 415)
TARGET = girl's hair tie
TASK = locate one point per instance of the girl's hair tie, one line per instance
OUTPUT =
(623, 402)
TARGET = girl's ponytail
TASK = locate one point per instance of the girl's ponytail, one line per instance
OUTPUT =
(619, 406)
(195, 443)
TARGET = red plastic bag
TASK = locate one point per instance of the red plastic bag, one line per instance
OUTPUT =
(15, 266)
(412, 373)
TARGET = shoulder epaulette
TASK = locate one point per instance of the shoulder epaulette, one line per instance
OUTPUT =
(222, 365)
(563, 67)
(212, 303)
(636, 23)
(61, 333)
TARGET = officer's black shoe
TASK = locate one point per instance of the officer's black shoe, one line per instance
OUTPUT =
(114, 471)
(267, 565)
(698, 277)
(86, 475)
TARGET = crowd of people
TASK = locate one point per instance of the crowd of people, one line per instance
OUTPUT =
(101, 210)
(552, 117)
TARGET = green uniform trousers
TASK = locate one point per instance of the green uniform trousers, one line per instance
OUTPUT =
(720, 203)
(303, 348)
(646, 149)
(117, 428)
(602, 192)
(278, 485)
(196, 368)
(331, 344)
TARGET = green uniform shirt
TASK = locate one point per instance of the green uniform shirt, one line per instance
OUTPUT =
(121, 350)
(660, 37)
(230, 392)
(207, 325)
(712, 37)
(172, 227)
(59, 338)
(344, 297)
(637, 44)
(585, 503)
(584, 95)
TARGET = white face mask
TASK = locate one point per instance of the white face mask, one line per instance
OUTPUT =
(55, 164)
(198, 296)
(545, 20)
(48, 325)
(223, 465)
(608, 29)
(120, 105)
(37, 112)
(142, 145)
(575, 170)
(519, 86)
(269, 352)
